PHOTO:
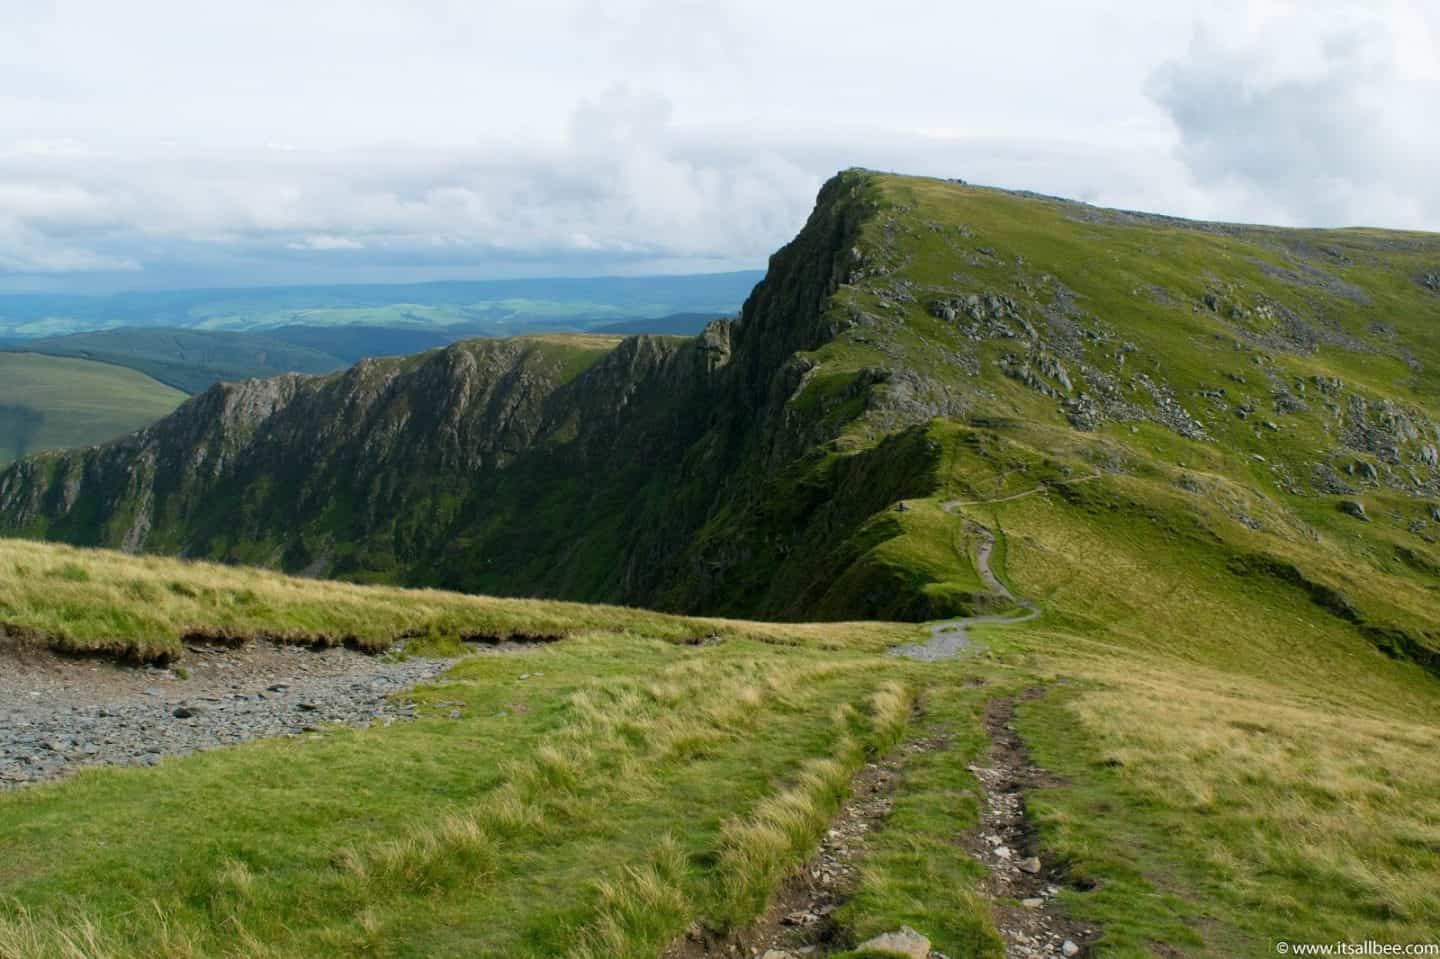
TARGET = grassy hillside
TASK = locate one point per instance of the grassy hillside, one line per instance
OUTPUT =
(1264, 397)
(1205, 452)
(188, 360)
(52, 403)
(597, 795)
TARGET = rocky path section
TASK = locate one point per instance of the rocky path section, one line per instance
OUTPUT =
(58, 715)
(948, 638)
(1036, 928)
(798, 921)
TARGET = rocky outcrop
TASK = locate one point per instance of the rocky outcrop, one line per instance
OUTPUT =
(529, 466)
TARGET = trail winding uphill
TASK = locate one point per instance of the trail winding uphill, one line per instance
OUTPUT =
(948, 638)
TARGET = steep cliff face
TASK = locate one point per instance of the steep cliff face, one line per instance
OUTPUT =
(634, 470)
(922, 354)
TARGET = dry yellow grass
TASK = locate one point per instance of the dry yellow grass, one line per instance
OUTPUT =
(1326, 812)
(140, 607)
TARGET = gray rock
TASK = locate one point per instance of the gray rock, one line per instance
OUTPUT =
(1354, 508)
(906, 942)
(1068, 948)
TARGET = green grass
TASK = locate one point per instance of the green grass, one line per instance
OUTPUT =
(1250, 814)
(53, 403)
(629, 786)
(914, 873)
(634, 783)
(141, 608)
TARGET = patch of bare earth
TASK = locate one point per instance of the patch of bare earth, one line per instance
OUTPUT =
(799, 919)
(1021, 885)
(59, 713)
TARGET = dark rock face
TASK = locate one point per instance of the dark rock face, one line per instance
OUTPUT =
(526, 466)
(1354, 508)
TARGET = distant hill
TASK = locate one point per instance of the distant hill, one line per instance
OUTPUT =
(194, 360)
(189, 360)
(352, 343)
(486, 308)
(52, 403)
(678, 324)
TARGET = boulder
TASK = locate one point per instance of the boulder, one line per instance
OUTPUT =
(906, 943)
(1354, 508)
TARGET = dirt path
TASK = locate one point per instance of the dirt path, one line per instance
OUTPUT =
(798, 920)
(1036, 928)
(948, 638)
(954, 504)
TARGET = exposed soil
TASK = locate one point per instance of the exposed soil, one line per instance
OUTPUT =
(58, 714)
(799, 919)
(1021, 885)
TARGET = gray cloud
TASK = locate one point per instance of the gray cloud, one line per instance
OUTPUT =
(1317, 119)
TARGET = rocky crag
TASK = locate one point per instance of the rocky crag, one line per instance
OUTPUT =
(918, 337)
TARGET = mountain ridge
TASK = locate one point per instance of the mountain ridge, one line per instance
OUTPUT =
(1259, 395)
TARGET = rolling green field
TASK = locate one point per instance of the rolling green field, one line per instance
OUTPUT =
(187, 360)
(54, 403)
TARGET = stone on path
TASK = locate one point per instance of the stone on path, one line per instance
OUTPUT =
(907, 942)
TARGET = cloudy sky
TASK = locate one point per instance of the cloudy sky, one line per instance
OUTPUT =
(159, 143)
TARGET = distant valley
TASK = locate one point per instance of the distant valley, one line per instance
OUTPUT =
(190, 340)
(51, 402)
(482, 308)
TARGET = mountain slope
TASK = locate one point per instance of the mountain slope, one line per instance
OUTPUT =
(1257, 402)
(188, 360)
(47, 403)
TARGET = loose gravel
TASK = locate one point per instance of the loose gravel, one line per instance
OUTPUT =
(58, 715)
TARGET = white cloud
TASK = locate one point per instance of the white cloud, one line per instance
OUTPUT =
(311, 138)
(1314, 114)
(325, 241)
